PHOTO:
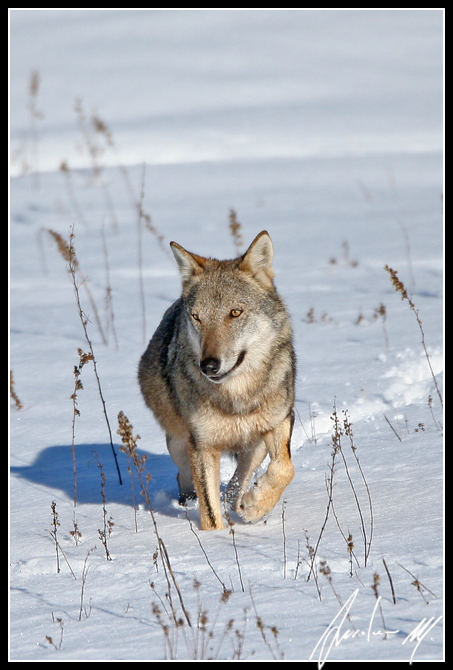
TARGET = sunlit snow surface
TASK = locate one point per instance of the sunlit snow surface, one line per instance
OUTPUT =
(324, 128)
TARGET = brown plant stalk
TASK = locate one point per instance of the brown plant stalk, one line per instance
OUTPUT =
(398, 285)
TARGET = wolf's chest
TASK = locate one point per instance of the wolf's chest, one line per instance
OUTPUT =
(230, 431)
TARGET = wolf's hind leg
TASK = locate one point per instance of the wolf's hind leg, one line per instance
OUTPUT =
(178, 452)
(248, 460)
(262, 498)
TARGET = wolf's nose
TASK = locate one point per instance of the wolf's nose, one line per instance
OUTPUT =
(210, 366)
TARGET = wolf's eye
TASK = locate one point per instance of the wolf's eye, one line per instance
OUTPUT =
(236, 312)
(195, 316)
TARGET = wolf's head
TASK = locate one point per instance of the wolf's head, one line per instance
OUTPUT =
(232, 310)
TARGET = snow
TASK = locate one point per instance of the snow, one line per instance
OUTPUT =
(325, 128)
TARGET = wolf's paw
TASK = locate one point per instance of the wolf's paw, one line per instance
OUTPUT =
(255, 504)
(184, 496)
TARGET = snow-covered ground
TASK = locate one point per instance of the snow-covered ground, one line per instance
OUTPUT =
(325, 128)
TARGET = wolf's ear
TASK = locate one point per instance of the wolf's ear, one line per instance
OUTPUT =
(257, 260)
(189, 264)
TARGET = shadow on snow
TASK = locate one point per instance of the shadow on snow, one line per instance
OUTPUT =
(53, 468)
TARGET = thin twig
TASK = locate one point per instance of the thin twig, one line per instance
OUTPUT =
(260, 626)
(375, 588)
(390, 580)
(12, 392)
(399, 286)
(392, 428)
(67, 251)
(284, 539)
(362, 522)
(84, 321)
(130, 447)
(418, 584)
(110, 317)
(329, 484)
(350, 549)
(53, 533)
(204, 552)
(84, 579)
(231, 524)
(348, 431)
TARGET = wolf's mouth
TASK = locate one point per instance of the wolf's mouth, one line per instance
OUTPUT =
(218, 379)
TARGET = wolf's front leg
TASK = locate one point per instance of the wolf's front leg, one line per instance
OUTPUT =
(262, 498)
(205, 463)
(248, 460)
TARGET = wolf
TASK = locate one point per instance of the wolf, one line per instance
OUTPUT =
(219, 375)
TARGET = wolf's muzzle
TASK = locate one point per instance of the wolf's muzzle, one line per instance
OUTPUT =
(211, 366)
